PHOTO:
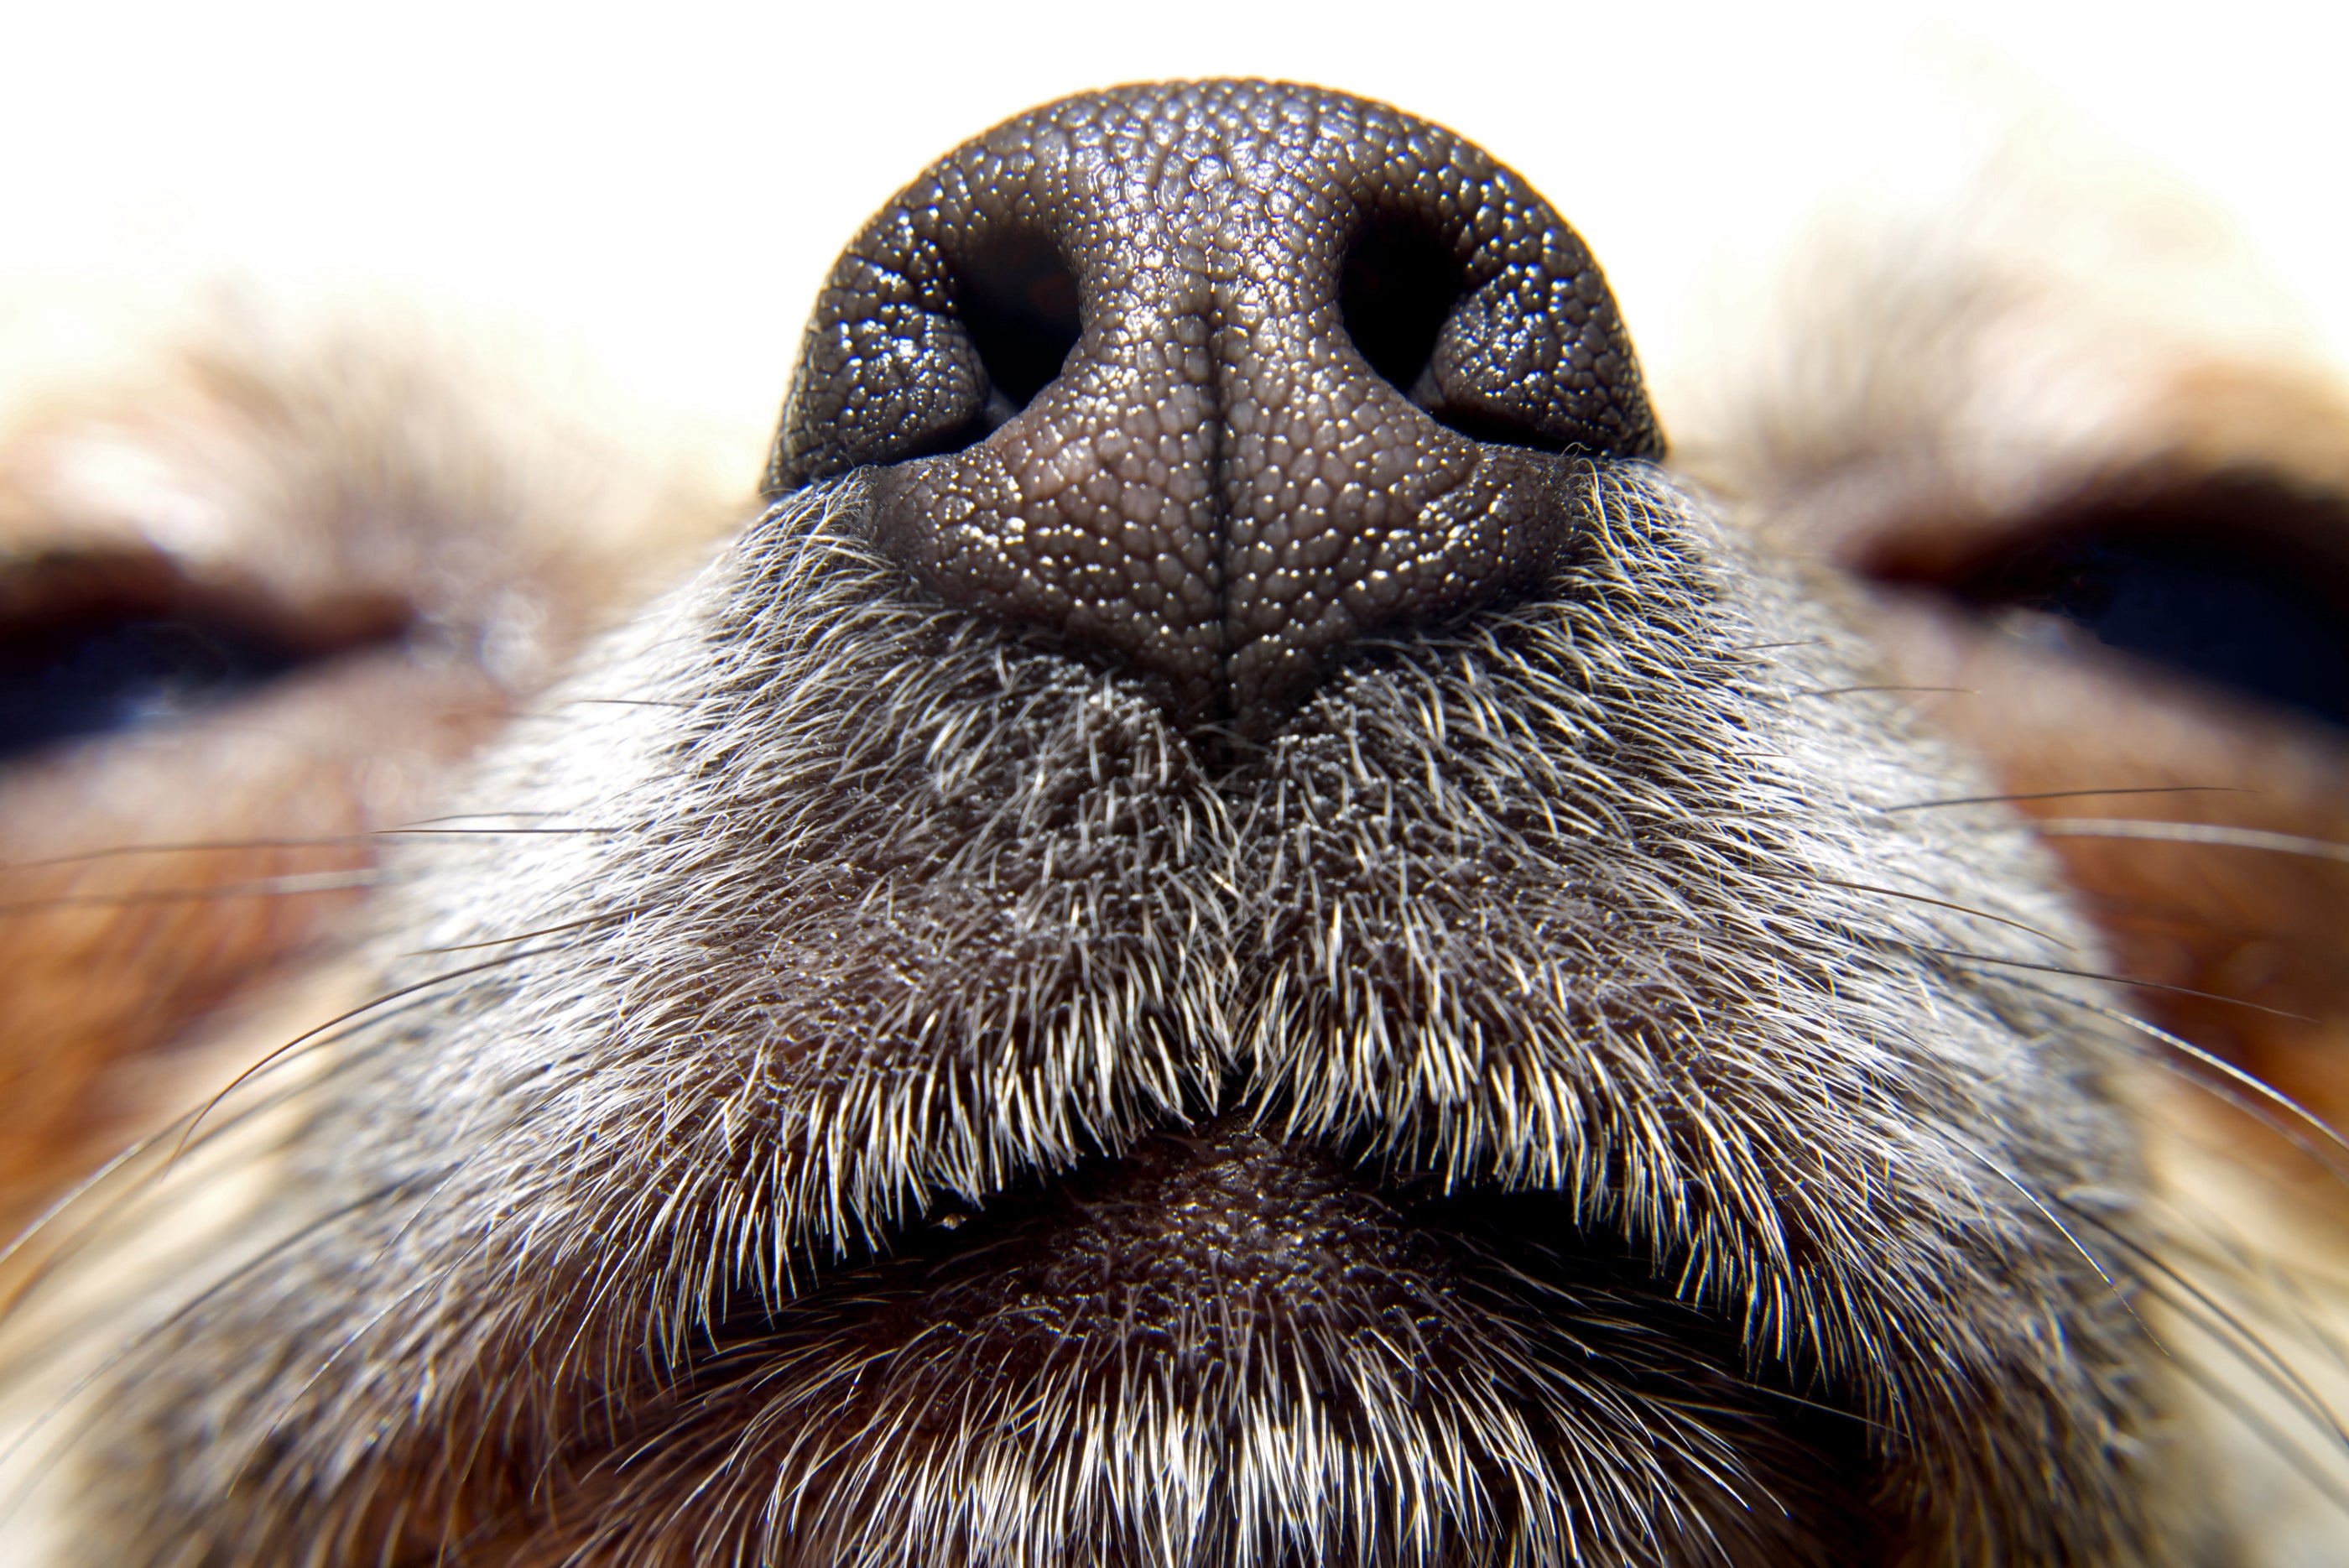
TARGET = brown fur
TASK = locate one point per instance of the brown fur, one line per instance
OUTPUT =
(352, 477)
(2046, 356)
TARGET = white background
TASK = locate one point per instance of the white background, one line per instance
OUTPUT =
(665, 183)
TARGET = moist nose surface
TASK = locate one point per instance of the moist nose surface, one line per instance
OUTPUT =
(1213, 379)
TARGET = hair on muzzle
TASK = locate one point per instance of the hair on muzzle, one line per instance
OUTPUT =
(1213, 379)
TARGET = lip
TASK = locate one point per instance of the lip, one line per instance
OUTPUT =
(1216, 1302)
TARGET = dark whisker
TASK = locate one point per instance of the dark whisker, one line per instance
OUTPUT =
(2064, 794)
(2250, 1349)
(586, 923)
(2258, 1108)
(278, 1055)
(73, 1195)
(2062, 1229)
(288, 887)
(1848, 691)
(1788, 1397)
(225, 846)
(1940, 904)
(2261, 1092)
(495, 832)
(322, 841)
(182, 1133)
(2218, 1063)
(2118, 980)
(2207, 1311)
(2141, 908)
(2192, 833)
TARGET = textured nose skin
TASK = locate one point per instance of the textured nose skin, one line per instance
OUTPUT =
(1214, 379)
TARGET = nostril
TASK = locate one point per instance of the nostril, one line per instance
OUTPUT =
(937, 326)
(1017, 297)
(1395, 291)
(1401, 285)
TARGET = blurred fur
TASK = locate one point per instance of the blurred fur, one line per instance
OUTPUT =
(660, 1046)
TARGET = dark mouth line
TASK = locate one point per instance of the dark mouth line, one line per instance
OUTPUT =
(947, 1232)
(1454, 1286)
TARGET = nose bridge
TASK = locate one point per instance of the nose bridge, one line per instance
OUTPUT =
(1221, 488)
(1343, 500)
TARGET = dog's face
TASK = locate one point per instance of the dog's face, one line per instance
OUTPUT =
(1236, 930)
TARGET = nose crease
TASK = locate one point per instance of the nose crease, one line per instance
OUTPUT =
(1219, 490)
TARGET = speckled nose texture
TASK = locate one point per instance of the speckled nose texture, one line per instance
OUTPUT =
(1213, 379)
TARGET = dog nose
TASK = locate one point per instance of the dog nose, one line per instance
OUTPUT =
(1212, 381)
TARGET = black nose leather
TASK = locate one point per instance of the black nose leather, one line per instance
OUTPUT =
(1214, 379)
